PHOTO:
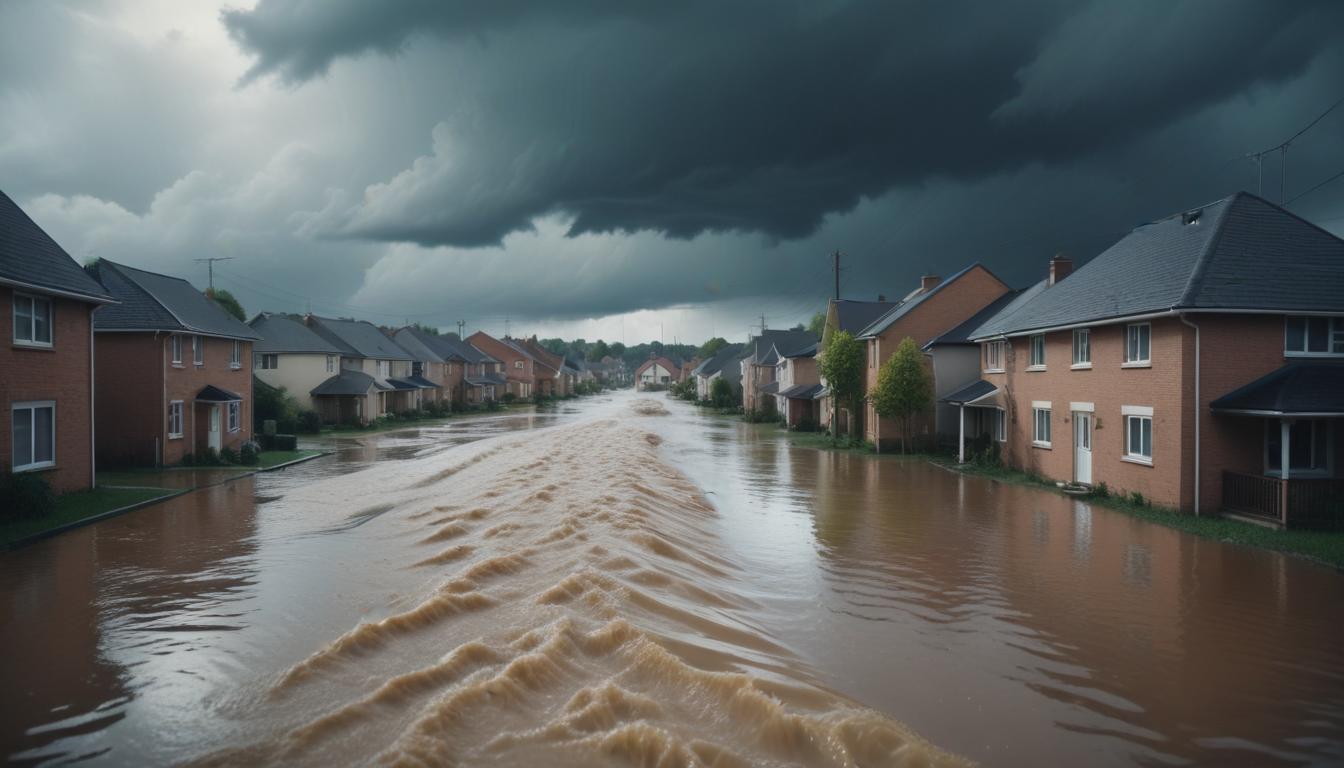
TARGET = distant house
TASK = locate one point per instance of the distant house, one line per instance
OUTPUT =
(935, 307)
(721, 365)
(799, 386)
(852, 316)
(468, 375)
(520, 368)
(553, 378)
(1198, 361)
(657, 372)
(374, 374)
(433, 363)
(610, 371)
(47, 373)
(173, 379)
(291, 356)
(758, 362)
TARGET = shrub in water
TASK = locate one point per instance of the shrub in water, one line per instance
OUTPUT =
(25, 495)
(227, 456)
(310, 422)
(509, 397)
(249, 453)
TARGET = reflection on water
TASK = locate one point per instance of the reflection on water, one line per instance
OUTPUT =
(1005, 623)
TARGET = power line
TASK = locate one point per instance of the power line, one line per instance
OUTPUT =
(1282, 149)
(1313, 189)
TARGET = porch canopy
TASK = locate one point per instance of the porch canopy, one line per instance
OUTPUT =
(422, 382)
(977, 394)
(402, 385)
(771, 388)
(479, 381)
(212, 394)
(1299, 389)
(803, 392)
(347, 383)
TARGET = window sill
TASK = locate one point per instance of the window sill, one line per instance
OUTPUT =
(1137, 460)
(1145, 364)
(1296, 354)
(1042, 446)
(1034, 368)
(1080, 367)
(36, 468)
(993, 370)
(178, 365)
(235, 367)
(174, 437)
(35, 346)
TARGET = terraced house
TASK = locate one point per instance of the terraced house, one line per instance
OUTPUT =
(171, 365)
(1198, 362)
(373, 379)
(47, 374)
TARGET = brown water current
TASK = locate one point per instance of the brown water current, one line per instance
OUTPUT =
(630, 582)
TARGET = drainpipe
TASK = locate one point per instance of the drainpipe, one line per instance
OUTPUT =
(961, 434)
(93, 412)
(1199, 410)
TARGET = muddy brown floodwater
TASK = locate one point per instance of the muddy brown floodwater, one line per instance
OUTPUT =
(629, 582)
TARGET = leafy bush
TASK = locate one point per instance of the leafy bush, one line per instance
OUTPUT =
(249, 453)
(758, 416)
(227, 455)
(1137, 499)
(285, 443)
(273, 403)
(309, 422)
(722, 394)
(210, 459)
(806, 425)
(509, 397)
(1101, 491)
(25, 495)
(492, 405)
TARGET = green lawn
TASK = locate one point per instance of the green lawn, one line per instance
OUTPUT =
(1325, 547)
(270, 459)
(73, 507)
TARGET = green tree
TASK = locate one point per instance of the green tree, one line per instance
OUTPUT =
(617, 349)
(598, 350)
(818, 324)
(429, 329)
(226, 300)
(842, 367)
(904, 388)
(721, 394)
(712, 347)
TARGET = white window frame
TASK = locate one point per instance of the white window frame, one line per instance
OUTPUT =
(33, 302)
(236, 356)
(331, 363)
(1039, 407)
(1036, 342)
(994, 356)
(1138, 362)
(1000, 425)
(197, 350)
(1273, 426)
(32, 406)
(178, 410)
(235, 412)
(517, 363)
(1334, 336)
(1082, 342)
(175, 348)
(1141, 413)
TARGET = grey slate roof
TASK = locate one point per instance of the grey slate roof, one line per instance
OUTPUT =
(854, 316)
(905, 307)
(212, 394)
(346, 383)
(1241, 252)
(419, 344)
(969, 393)
(1000, 307)
(422, 382)
(715, 362)
(287, 333)
(783, 341)
(359, 337)
(28, 256)
(769, 388)
(153, 302)
(803, 392)
(1296, 388)
(809, 351)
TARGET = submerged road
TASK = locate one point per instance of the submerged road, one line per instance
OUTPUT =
(624, 579)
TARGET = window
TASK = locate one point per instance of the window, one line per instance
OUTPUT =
(331, 363)
(175, 344)
(517, 363)
(33, 435)
(381, 367)
(1313, 335)
(235, 420)
(1138, 343)
(1040, 433)
(235, 356)
(1000, 425)
(872, 354)
(198, 350)
(32, 320)
(1037, 359)
(1309, 447)
(267, 362)
(175, 419)
(1138, 433)
(1082, 348)
(994, 356)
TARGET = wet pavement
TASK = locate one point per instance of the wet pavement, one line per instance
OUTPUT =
(1004, 623)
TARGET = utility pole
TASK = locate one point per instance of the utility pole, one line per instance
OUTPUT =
(836, 259)
(211, 266)
(506, 326)
(461, 325)
(763, 327)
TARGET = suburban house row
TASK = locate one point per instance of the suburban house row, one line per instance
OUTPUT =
(113, 365)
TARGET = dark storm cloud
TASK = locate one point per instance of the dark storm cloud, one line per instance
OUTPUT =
(764, 116)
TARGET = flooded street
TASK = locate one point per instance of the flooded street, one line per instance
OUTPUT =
(627, 581)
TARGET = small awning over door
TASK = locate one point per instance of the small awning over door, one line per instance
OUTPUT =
(212, 394)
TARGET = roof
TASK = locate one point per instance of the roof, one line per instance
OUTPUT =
(1239, 253)
(1002, 306)
(715, 362)
(421, 382)
(783, 341)
(769, 388)
(287, 333)
(418, 343)
(969, 393)
(808, 351)
(358, 338)
(30, 258)
(906, 307)
(479, 381)
(668, 365)
(854, 316)
(404, 384)
(149, 301)
(771, 357)
(212, 394)
(1298, 388)
(346, 383)
(803, 392)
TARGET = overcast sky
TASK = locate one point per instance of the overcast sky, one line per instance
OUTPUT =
(628, 169)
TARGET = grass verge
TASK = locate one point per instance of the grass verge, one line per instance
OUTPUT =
(1326, 547)
(268, 459)
(74, 507)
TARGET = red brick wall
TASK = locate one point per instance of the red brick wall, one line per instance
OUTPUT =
(137, 380)
(60, 374)
(508, 355)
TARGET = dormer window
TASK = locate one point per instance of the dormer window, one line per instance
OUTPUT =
(1313, 336)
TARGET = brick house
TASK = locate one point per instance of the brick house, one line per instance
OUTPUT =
(721, 365)
(935, 307)
(46, 369)
(289, 355)
(468, 375)
(757, 365)
(374, 373)
(657, 371)
(852, 316)
(519, 367)
(1199, 361)
(172, 378)
(799, 386)
(562, 378)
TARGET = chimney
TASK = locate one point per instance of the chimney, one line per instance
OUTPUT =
(881, 297)
(927, 282)
(1061, 267)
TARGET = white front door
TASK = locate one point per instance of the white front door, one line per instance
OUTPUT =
(1082, 447)
(215, 442)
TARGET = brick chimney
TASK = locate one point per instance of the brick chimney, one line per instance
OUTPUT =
(927, 282)
(1061, 267)
(881, 297)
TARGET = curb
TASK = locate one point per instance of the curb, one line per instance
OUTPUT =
(95, 518)
(292, 462)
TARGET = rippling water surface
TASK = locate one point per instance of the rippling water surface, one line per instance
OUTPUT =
(606, 583)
